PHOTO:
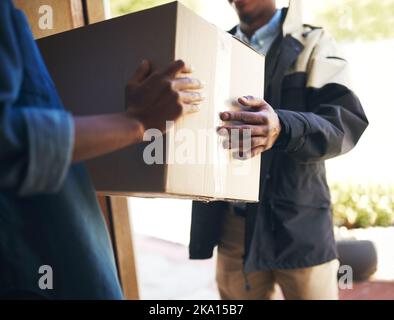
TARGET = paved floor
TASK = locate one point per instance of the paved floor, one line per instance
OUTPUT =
(166, 273)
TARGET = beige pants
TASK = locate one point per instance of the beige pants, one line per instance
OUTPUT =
(313, 283)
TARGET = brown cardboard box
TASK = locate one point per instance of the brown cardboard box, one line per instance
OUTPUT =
(91, 65)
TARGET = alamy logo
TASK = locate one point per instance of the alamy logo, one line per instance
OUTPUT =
(194, 146)
(45, 282)
(345, 281)
(45, 21)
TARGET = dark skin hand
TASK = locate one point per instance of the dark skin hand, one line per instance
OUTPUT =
(162, 96)
(258, 126)
(152, 98)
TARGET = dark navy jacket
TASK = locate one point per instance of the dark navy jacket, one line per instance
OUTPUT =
(49, 215)
(307, 82)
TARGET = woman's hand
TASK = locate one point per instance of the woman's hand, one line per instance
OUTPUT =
(154, 98)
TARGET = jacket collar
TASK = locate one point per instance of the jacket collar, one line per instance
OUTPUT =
(293, 20)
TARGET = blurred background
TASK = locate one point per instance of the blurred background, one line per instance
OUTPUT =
(362, 182)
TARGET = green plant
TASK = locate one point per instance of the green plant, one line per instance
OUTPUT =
(358, 206)
(350, 20)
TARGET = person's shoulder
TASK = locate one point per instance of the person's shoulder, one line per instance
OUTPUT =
(7, 12)
(314, 36)
(310, 32)
(6, 8)
(6, 4)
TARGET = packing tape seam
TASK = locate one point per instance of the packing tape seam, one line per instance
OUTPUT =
(221, 98)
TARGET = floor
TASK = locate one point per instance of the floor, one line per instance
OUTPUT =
(166, 273)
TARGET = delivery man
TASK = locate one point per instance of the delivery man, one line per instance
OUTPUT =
(310, 114)
(49, 216)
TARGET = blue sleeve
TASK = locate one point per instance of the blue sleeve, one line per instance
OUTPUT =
(35, 143)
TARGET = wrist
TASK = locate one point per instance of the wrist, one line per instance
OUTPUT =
(283, 136)
(135, 127)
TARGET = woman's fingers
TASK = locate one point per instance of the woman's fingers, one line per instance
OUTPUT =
(190, 108)
(186, 83)
(190, 97)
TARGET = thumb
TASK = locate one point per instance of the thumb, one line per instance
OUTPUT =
(254, 103)
(142, 72)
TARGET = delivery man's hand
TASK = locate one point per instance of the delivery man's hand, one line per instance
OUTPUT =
(260, 122)
(154, 98)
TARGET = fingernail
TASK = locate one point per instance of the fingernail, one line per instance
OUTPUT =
(224, 116)
(194, 108)
(242, 100)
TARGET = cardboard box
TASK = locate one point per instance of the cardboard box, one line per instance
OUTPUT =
(91, 66)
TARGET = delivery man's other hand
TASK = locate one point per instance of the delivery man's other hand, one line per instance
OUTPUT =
(260, 122)
(156, 97)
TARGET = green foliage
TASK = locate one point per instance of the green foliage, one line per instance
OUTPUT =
(350, 20)
(347, 20)
(356, 206)
(120, 7)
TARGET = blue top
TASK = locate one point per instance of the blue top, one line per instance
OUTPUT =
(264, 37)
(49, 214)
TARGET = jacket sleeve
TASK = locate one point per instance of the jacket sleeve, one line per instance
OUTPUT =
(334, 119)
(35, 143)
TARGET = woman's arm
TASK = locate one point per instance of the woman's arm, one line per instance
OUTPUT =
(151, 99)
